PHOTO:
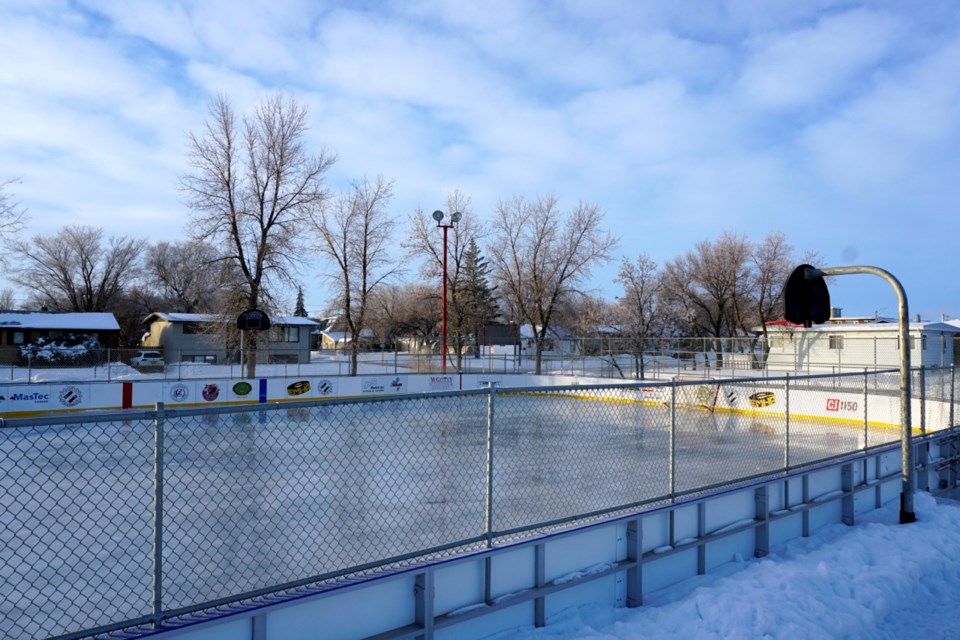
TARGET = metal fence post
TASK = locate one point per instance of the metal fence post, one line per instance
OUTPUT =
(671, 478)
(866, 423)
(923, 400)
(488, 525)
(786, 443)
(158, 424)
(953, 393)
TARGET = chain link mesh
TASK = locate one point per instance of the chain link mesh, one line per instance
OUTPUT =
(262, 498)
(564, 453)
(75, 526)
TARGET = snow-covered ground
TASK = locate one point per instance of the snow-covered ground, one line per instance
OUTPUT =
(877, 580)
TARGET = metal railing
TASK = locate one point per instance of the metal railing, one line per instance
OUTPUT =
(111, 521)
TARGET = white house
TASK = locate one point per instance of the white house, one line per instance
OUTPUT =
(861, 343)
(557, 341)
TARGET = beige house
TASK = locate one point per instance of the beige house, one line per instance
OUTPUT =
(201, 337)
(331, 333)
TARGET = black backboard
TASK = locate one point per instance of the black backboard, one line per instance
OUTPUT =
(806, 298)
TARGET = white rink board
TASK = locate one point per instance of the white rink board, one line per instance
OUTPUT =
(26, 400)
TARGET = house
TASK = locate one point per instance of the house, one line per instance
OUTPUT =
(856, 345)
(558, 341)
(331, 333)
(21, 328)
(209, 338)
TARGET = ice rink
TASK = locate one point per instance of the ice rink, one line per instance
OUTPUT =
(266, 497)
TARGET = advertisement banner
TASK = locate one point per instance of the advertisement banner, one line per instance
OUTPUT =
(441, 383)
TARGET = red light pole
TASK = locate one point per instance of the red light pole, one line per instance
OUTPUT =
(454, 218)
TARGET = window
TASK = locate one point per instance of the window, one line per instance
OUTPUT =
(18, 337)
(199, 357)
(285, 334)
(836, 342)
(912, 341)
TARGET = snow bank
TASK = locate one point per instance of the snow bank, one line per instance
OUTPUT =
(879, 579)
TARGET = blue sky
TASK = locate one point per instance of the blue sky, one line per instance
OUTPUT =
(834, 122)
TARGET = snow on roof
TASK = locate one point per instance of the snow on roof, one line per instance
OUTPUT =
(557, 333)
(64, 320)
(344, 336)
(886, 327)
(213, 318)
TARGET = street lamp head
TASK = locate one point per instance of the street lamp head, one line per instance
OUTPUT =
(438, 215)
(455, 218)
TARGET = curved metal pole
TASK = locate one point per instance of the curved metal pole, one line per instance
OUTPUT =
(906, 428)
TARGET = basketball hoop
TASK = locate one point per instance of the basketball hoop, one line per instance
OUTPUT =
(253, 320)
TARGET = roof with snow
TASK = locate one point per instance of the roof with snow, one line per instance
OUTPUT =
(62, 320)
(556, 333)
(945, 327)
(345, 336)
(210, 318)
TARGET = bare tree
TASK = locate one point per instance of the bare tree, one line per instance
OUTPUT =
(426, 241)
(639, 305)
(707, 283)
(251, 189)
(12, 216)
(8, 299)
(408, 309)
(770, 265)
(540, 255)
(186, 277)
(354, 238)
(76, 270)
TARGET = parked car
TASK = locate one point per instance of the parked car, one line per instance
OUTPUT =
(144, 359)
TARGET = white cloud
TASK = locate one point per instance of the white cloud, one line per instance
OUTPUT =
(807, 66)
(903, 130)
(677, 121)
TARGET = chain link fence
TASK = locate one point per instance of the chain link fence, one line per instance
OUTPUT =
(109, 521)
(605, 357)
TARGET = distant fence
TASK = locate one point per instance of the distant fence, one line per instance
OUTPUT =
(606, 357)
(111, 521)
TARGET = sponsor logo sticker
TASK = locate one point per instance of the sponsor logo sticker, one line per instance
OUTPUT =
(441, 383)
(324, 387)
(242, 388)
(210, 392)
(71, 396)
(372, 385)
(762, 399)
(179, 392)
(30, 397)
(298, 388)
(836, 404)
